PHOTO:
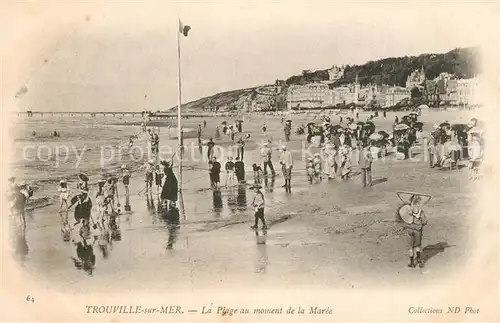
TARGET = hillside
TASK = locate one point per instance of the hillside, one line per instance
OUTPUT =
(462, 62)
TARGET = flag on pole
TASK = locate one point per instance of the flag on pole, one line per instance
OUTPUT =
(184, 29)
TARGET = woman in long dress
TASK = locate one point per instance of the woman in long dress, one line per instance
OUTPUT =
(330, 153)
(169, 190)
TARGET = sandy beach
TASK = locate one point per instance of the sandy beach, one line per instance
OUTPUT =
(332, 234)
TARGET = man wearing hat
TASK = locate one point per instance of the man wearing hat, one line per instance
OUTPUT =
(288, 130)
(266, 154)
(258, 204)
(286, 160)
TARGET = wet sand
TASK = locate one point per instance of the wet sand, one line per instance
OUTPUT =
(328, 235)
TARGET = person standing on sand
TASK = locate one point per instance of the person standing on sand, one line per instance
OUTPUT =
(170, 187)
(258, 203)
(264, 128)
(63, 196)
(241, 148)
(414, 229)
(239, 168)
(210, 151)
(204, 123)
(286, 161)
(83, 207)
(230, 171)
(266, 154)
(149, 175)
(365, 163)
(217, 133)
(214, 168)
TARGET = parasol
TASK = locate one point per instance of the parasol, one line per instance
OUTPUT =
(83, 177)
(360, 123)
(376, 136)
(460, 127)
(353, 126)
(444, 124)
(401, 126)
(369, 124)
(383, 134)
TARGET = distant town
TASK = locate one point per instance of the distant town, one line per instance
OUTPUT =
(444, 90)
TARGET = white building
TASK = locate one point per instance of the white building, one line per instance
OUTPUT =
(396, 94)
(336, 72)
(313, 95)
(416, 78)
(468, 91)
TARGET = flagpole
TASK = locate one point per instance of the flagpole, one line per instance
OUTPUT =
(179, 129)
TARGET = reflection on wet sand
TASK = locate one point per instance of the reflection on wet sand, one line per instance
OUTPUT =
(21, 248)
(241, 199)
(170, 216)
(262, 260)
(269, 185)
(217, 201)
(85, 257)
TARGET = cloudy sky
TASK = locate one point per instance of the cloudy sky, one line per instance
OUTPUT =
(113, 57)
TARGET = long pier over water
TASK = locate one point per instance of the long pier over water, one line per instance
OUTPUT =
(142, 114)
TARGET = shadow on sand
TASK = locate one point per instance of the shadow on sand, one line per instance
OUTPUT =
(432, 250)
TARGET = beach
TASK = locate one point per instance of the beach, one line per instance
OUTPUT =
(331, 234)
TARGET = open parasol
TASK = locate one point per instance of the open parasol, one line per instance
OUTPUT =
(460, 127)
(353, 126)
(383, 134)
(401, 126)
(360, 123)
(376, 136)
(83, 177)
(444, 124)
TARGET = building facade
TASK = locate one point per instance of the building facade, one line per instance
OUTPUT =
(396, 94)
(313, 95)
(416, 78)
(336, 72)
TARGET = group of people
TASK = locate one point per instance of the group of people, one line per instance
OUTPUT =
(450, 143)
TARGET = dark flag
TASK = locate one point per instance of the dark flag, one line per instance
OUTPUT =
(184, 29)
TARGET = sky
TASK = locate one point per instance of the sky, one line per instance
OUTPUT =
(109, 56)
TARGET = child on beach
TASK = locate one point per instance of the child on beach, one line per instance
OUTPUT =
(317, 167)
(414, 230)
(310, 170)
(230, 171)
(63, 196)
(258, 204)
(257, 173)
(158, 178)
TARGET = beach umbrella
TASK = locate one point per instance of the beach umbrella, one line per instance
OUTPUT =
(383, 134)
(401, 126)
(460, 127)
(444, 124)
(376, 136)
(370, 125)
(83, 177)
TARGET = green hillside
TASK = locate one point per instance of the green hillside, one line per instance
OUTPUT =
(462, 62)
